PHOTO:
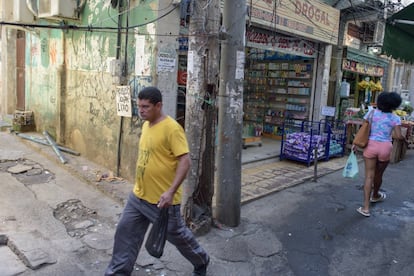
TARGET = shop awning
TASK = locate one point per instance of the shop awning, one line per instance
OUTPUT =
(364, 58)
(399, 35)
(359, 62)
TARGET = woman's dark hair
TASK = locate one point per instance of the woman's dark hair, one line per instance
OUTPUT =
(150, 93)
(388, 101)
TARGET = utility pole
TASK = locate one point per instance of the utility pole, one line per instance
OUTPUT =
(200, 114)
(339, 50)
(230, 121)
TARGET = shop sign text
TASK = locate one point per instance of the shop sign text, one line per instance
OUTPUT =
(312, 12)
(280, 43)
(362, 68)
(310, 19)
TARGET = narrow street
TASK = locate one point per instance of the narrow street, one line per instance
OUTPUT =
(322, 234)
(54, 223)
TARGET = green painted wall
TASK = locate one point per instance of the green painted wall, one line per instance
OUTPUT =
(70, 88)
(43, 58)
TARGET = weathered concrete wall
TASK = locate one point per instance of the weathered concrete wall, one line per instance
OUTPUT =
(44, 56)
(8, 71)
(167, 44)
(91, 121)
(322, 82)
(69, 84)
(145, 67)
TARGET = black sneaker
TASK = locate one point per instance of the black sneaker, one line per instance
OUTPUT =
(202, 269)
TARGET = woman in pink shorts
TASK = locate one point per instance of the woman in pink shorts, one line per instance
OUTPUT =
(378, 151)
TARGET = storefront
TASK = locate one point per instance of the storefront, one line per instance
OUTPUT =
(287, 46)
(364, 76)
(279, 81)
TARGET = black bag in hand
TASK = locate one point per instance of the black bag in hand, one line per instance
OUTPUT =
(158, 235)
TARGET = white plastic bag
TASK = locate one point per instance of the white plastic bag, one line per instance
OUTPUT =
(351, 168)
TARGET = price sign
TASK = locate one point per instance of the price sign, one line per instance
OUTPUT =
(328, 111)
(123, 101)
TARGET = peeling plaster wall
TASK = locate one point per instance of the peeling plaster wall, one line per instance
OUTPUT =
(168, 45)
(91, 120)
(70, 87)
(43, 59)
(8, 81)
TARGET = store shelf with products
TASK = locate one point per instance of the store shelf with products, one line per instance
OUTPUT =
(284, 88)
(254, 101)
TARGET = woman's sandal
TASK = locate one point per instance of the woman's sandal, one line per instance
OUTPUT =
(362, 212)
(382, 197)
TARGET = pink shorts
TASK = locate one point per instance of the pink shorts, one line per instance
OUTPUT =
(379, 150)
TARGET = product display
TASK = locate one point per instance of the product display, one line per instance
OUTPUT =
(302, 145)
(303, 140)
(276, 90)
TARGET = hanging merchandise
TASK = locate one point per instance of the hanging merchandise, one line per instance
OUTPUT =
(364, 84)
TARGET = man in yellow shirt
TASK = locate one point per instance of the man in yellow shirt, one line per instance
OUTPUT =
(163, 163)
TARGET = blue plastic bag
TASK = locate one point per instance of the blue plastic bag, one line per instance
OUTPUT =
(351, 168)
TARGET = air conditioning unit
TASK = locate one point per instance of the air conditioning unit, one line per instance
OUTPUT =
(373, 33)
(57, 9)
(6, 10)
(21, 12)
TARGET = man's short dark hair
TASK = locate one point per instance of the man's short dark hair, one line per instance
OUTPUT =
(150, 93)
(388, 101)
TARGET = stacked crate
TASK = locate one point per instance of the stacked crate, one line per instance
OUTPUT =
(23, 121)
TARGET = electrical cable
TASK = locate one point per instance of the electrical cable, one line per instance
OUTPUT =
(89, 28)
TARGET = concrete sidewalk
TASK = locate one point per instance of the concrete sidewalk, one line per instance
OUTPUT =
(258, 179)
(250, 249)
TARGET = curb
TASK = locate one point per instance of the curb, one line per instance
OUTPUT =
(259, 179)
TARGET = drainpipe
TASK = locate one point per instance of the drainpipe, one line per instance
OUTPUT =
(61, 101)
(125, 67)
(124, 73)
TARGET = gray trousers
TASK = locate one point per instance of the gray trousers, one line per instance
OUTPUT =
(131, 229)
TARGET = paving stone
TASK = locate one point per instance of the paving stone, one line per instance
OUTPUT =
(32, 250)
(83, 224)
(99, 241)
(14, 265)
(35, 171)
(36, 258)
(19, 168)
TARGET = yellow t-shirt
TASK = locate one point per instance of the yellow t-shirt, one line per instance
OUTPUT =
(157, 162)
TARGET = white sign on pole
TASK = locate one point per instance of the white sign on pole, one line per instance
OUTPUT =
(123, 101)
(240, 65)
(166, 63)
(328, 111)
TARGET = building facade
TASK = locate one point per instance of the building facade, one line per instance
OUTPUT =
(78, 64)
(288, 53)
